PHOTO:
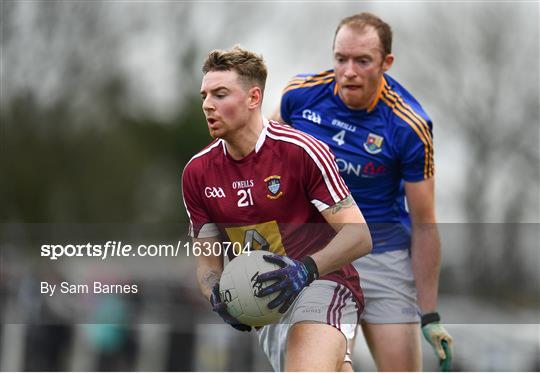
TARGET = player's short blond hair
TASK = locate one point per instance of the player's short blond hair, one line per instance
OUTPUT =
(359, 22)
(249, 66)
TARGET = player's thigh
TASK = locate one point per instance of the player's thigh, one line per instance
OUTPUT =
(323, 302)
(314, 347)
(394, 347)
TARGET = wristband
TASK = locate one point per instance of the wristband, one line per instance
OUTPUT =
(428, 318)
(311, 266)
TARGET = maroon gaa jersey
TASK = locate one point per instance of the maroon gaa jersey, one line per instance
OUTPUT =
(271, 199)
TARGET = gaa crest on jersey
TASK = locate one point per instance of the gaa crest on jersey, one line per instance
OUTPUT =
(373, 144)
(273, 184)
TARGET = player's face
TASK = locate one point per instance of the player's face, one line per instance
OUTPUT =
(225, 103)
(359, 66)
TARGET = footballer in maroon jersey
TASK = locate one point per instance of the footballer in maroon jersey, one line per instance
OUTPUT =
(279, 189)
(276, 191)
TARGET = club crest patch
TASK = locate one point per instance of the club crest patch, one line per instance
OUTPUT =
(273, 184)
(373, 144)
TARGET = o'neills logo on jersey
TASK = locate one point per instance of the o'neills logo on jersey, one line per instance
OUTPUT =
(273, 183)
(242, 184)
(214, 192)
(373, 144)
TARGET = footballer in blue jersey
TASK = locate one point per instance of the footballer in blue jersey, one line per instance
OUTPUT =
(382, 140)
(376, 150)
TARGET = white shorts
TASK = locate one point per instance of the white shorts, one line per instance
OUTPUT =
(321, 302)
(389, 290)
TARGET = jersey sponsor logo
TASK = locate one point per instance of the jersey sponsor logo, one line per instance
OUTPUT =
(348, 168)
(345, 126)
(373, 144)
(311, 116)
(368, 170)
(273, 184)
(262, 236)
(214, 192)
(242, 184)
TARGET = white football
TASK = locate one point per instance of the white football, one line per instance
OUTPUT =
(238, 288)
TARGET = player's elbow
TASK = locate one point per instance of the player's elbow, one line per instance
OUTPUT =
(354, 234)
(366, 246)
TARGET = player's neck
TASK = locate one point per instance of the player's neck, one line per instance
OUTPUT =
(244, 141)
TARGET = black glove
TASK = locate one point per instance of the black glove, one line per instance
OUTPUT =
(221, 309)
(293, 276)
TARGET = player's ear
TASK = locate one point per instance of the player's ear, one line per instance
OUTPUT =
(255, 97)
(387, 62)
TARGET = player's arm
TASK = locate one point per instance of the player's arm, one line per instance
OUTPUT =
(205, 233)
(209, 268)
(426, 260)
(352, 240)
(426, 246)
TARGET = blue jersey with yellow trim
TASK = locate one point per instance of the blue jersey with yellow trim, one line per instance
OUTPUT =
(376, 149)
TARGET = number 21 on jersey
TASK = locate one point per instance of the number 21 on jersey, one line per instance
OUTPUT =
(245, 198)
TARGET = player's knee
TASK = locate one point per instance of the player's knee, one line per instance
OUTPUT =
(395, 347)
(314, 347)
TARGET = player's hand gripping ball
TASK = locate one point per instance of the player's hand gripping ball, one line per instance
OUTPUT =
(239, 287)
(289, 280)
(219, 307)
